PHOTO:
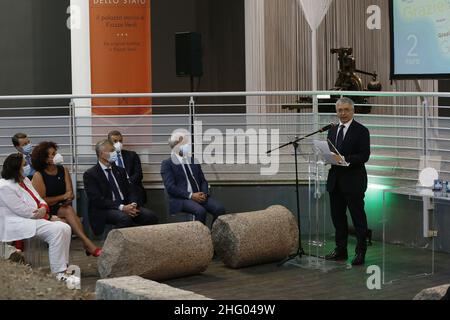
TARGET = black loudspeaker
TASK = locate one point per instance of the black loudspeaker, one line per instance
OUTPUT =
(188, 47)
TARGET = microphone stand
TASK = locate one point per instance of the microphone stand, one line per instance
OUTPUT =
(295, 143)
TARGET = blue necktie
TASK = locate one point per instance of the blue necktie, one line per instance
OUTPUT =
(113, 185)
(119, 160)
(28, 159)
(340, 138)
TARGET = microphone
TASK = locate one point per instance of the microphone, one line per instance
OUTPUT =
(328, 127)
(297, 139)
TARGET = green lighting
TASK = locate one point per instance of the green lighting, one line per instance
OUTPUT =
(375, 186)
(374, 203)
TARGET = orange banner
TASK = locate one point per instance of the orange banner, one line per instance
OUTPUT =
(120, 41)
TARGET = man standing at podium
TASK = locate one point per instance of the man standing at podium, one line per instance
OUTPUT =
(347, 184)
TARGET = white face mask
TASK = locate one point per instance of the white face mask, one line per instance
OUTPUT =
(26, 170)
(58, 159)
(112, 157)
(185, 150)
(118, 146)
(27, 149)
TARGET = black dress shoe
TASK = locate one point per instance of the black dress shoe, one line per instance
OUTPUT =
(359, 259)
(337, 255)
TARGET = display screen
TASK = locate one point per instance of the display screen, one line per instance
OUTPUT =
(420, 38)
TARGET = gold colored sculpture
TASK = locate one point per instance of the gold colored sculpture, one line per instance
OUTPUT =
(347, 80)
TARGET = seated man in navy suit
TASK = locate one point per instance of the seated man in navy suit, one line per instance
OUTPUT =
(185, 183)
(111, 200)
(129, 160)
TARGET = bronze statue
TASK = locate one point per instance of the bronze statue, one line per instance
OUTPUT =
(347, 80)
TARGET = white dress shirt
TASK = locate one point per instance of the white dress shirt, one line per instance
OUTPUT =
(182, 161)
(346, 126)
(115, 181)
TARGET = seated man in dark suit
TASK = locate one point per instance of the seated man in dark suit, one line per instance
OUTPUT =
(108, 191)
(129, 160)
(185, 182)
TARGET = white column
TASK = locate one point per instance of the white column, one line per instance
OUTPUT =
(81, 69)
(81, 54)
(255, 61)
(81, 75)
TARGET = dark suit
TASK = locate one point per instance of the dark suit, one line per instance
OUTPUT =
(347, 185)
(134, 169)
(176, 185)
(102, 209)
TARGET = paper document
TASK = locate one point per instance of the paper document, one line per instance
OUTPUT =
(328, 155)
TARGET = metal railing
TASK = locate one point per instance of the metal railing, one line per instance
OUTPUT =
(402, 132)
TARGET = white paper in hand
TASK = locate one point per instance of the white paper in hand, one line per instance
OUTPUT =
(324, 150)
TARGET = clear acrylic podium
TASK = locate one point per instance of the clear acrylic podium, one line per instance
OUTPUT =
(407, 256)
(317, 232)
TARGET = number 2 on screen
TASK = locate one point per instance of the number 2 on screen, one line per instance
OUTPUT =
(415, 41)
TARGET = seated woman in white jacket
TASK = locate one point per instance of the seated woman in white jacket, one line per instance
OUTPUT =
(24, 214)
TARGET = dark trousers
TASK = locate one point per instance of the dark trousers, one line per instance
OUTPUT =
(339, 202)
(122, 220)
(139, 191)
(199, 210)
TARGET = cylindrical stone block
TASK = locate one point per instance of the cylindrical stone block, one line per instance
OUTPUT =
(137, 288)
(157, 252)
(250, 238)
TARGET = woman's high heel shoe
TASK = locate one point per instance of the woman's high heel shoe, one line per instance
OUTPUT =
(97, 252)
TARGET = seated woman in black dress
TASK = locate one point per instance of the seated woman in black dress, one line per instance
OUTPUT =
(54, 184)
